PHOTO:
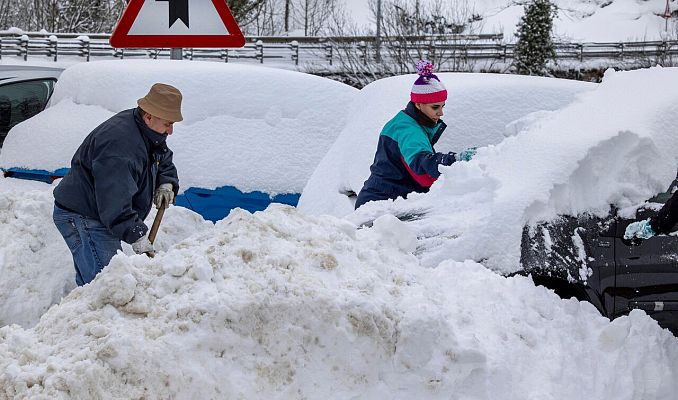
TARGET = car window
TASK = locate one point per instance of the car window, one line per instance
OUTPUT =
(22, 100)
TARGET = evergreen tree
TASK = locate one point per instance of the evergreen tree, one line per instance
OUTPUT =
(534, 46)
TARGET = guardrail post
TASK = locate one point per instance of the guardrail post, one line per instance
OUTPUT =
(224, 55)
(328, 52)
(0, 48)
(294, 46)
(189, 54)
(53, 46)
(362, 48)
(84, 44)
(259, 46)
(24, 46)
(431, 51)
(621, 50)
(661, 51)
(581, 52)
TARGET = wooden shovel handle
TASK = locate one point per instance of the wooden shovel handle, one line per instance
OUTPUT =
(156, 225)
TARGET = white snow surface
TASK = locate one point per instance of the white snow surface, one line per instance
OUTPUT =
(251, 127)
(613, 145)
(35, 264)
(281, 305)
(577, 20)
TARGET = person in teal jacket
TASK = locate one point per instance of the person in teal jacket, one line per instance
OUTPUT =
(405, 160)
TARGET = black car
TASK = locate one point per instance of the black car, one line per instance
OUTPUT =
(587, 257)
(24, 92)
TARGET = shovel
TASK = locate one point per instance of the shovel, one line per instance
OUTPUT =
(156, 225)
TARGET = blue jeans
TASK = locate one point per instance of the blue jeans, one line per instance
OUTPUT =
(90, 242)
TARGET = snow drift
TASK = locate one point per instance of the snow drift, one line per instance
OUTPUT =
(282, 305)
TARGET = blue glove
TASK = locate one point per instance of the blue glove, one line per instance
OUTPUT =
(467, 155)
(639, 229)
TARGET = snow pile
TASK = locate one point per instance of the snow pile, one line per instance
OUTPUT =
(577, 20)
(481, 109)
(251, 127)
(614, 145)
(282, 305)
(35, 264)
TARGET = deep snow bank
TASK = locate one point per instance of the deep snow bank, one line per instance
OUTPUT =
(36, 268)
(282, 305)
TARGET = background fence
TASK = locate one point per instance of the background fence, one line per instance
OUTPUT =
(327, 51)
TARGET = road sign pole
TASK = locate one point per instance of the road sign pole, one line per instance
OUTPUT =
(176, 54)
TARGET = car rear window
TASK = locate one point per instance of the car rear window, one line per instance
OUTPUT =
(22, 100)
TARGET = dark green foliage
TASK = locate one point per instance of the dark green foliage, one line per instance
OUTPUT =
(534, 47)
(243, 10)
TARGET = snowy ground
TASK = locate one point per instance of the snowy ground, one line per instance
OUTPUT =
(282, 304)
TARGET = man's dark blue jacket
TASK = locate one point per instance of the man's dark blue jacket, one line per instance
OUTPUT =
(114, 174)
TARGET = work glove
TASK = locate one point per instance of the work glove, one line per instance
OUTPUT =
(143, 246)
(639, 230)
(164, 193)
(466, 155)
(446, 159)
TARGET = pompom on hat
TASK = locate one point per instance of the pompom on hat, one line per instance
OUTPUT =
(427, 88)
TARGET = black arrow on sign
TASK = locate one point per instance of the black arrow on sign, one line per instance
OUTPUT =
(178, 9)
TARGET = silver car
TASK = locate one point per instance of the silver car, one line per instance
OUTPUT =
(24, 92)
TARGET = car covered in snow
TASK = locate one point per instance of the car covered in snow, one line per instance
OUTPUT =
(549, 195)
(25, 90)
(587, 257)
(250, 135)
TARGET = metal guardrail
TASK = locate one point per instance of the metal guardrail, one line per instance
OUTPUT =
(323, 50)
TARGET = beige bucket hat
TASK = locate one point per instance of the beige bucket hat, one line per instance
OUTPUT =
(162, 101)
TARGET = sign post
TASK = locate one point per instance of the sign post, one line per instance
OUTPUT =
(176, 24)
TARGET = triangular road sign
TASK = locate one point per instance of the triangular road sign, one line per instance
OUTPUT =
(177, 24)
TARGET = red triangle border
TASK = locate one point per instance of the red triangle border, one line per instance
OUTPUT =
(122, 39)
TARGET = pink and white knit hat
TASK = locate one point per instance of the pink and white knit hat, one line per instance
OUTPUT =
(427, 88)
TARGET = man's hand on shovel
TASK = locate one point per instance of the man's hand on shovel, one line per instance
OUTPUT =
(148, 242)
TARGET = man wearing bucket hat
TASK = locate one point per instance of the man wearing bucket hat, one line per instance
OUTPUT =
(121, 168)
